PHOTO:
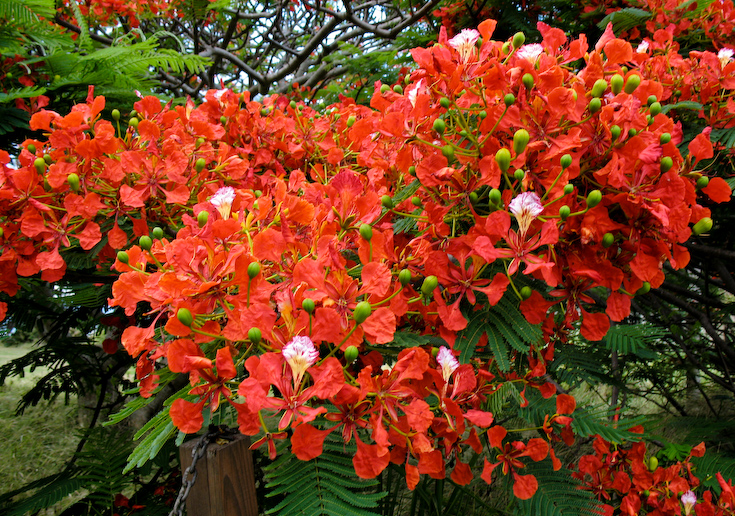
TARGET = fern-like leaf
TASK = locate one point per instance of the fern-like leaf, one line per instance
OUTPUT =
(324, 485)
(710, 464)
(26, 12)
(625, 19)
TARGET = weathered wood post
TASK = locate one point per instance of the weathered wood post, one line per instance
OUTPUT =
(225, 483)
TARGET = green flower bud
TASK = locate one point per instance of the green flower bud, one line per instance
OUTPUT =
(40, 165)
(387, 202)
(133, 122)
(157, 233)
(655, 108)
(632, 132)
(416, 201)
(502, 157)
(361, 312)
(645, 288)
(202, 218)
(48, 159)
(651, 99)
(616, 83)
(607, 240)
(253, 269)
(384, 88)
(200, 164)
(594, 105)
(351, 354)
(366, 231)
(145, 243)
(412, 170)
(564, 212)
(116, 115)
(703, 226)
(444, 102)
(495, 196)
(473, 197)
(428, 286)
(482, 114)
(702, 182)
(527, 81)
(520, 140)
(254, 335)
(292, 104)
(73, 180)
(666, 163)
(351, 121)
(594, 198)
(398, 89)
(308, 305)
(404, 277)
(31, 148)
(509, 100)
(526, 292)
(565, 161)
(439, 126)
(632, 83)
(598, 89)
(664, 138)
(123, 257)
(448, 152)
(615, 132)
(652, 463)
(568, 188)
(184, 316)
(518, 39)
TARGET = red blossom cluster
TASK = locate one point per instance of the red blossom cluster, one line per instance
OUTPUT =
(280, 248)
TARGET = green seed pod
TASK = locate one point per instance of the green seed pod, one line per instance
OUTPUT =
(416, 201)
(702, 182)
(509, 100)
(632, 83)
(526, 292)
(254, 335)
(645, 289)
(448, 152)
(412, 170)
(482, 114)
(202, 218)
(428, 286)
(157, 233)
(652, 463)
(439, 126)
(351, 121)
(308, 305)
(616, 83)
(184, 316)
(564, 212)
(73, 180)
(666, 163)
(520, 140)
(651, 99)
(632, 132)
(473, 197)
(31, 148)
(607, 240)
(527, 81)
(598, 89)
(351, 354)
(518, 40)
(655, 108)
(116, 115)
(615, 132)
(292, 104)
(200, 164)
(519, 175)
(384, 88)
(703, 226)
(200, 141)
(568, 188)
(505, 48)
(264, 111)
(594, 105)
(366, 231)
(664, 138)
(253, 269)
(398, 89)
(386, 201)
(594, 198)
(223, 119)
(444, 102)
(565, 161)
(123, 257)
(133, 123)
(362, 311)
(258, 193)
(145, 243)
(495, 196)
(48, 159)
(502, 158)
(404, 277)
(40, 165)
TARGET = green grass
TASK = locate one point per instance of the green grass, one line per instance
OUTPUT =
(40, 441)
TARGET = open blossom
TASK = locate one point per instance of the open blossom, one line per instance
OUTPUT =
(525, 208)
(688, 499)
(300, 354)
(447, 361)
(530, 52)
(464, 43)
(725, 55)
(222, 200)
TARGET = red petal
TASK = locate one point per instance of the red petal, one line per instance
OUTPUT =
(307, 442)
(594, 326)
(718, 190)
(496, 435)
(187, 416)
(368, 461)
(525, 486)
(462, 474)
(479, 417)
(565, 404)
(537, 449)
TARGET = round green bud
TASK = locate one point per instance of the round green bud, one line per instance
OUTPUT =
(253, 269)
(200, 164)
(495, 196)
(145, 243)
(505, 48)
(387, 202)
(518, 40)
(40, 165)
(616, 83)
(384, 88)
(116, 115)
(404, 277)
(223, 119)
(292, 104)
(184, 316)
(666, 163)
(473, 197)
(595, 105)
(48, 159)
(133, 113)
(520, 140)
(157, 233)
(133, 122)
(254, 335)
(444, 102)
(412, 170)
(519, 175)
(607, 240)
(428, 286)
(199, 142)
(351, 120)
(651, 99)
(351, 354)
(308, 305)
(598, 89)
(123, 257)
(482, 114)
(655, 108)
(703, 226)
(702, 182)
(416, 201)
(594, 198)
(502, 158)
(398, 89)
(526, 292)
(439, 126)
(645, 288)
(615, 132)
(527, 81)
(73, 180)
(361, 312)
(448, 152)
(664, 138)
(652, 463)
(632, 83)
(366, 231)
(202, 218)
(264, 111)
(632, 132)
(568, 188)
(509, 100)
(566, 161)
(258, 194)
(31, 148)
(564, 212)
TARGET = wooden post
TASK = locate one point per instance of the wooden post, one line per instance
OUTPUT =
(225, 484)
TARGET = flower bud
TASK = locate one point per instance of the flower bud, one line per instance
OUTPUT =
(145, 243)
(361, 312)
(615, 132)
(527, 81)
(404, 277)
(123, 257)
(253, 269)
(184, 316)
(526, 292)
(594, 198)
(594, 105)
(565, 161)
(520, 140)
(444, 102)
(308, 305)
(508, 100)
(366, 231)
(254, 335)
(518, 39)
(116, 115)
(387, 202)
(73, 180)
(439, 126)
(664, 138)
(502, 157)
(202, 218)
(200, 164)
(703, 226)
(702, 182)
(666, 163)
(632, 83)
(351, 354)
(564, 212)
(428, 286)
(616, 83)
(40, 165)
(598, 89)
(607, 240)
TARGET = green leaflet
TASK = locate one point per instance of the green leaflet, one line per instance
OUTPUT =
(324, 485)
(625, 19)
